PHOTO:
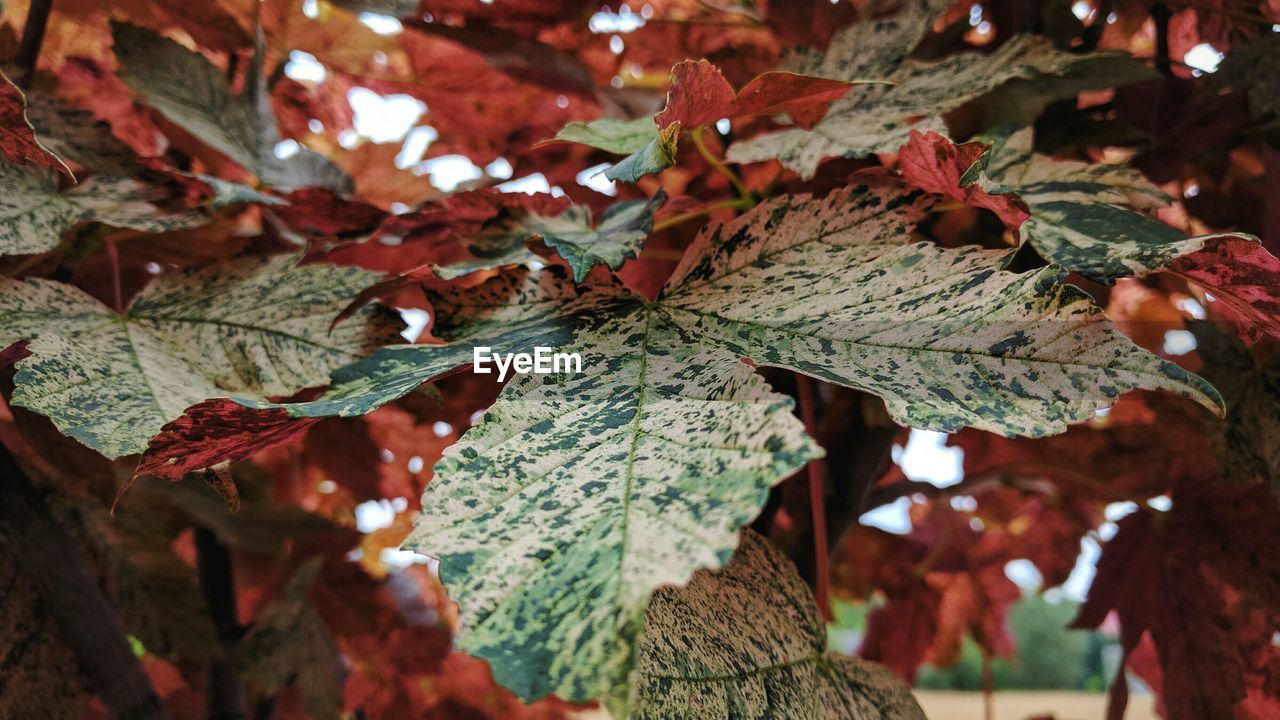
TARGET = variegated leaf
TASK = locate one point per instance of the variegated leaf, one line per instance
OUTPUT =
(748, 642)
(837, 291)
(622, 230)
(34, 215)
(556, 516)
(197, 96)
(112, 381)
(877, 118)
(1077, 223)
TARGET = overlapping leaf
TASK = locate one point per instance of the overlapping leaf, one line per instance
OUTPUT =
(34, 215)
(747, 642)
(196, 95)
(618, 236)
(555, 517)
(257, 326)
(698, 96)
(18, 141)
(1077, 223)
(877, 118)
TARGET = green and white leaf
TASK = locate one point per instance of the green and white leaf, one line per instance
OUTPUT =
(1076, 216)
(875, 118)
(34, 215)
(555, 517)
(622, 230)
(620, 137)
(578, 494)
(112, 381)
(748, 642)
(196, 95)
(649, 150)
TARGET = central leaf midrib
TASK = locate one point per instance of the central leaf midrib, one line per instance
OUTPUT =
(629, 471)
(241, 326)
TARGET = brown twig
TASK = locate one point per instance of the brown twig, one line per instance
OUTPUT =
(32, 39)
(225, 696)
(45, 553)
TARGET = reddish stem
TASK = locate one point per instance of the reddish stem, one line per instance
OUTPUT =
(113, 257)
(817, 503)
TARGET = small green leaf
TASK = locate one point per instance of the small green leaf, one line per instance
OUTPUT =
(622, 230)
(620, 137)
(747, 642)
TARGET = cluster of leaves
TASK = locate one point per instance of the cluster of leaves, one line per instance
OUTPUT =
(207, 392)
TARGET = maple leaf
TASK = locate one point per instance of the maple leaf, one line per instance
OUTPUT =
(622, 229)
(196, 95)
(18, 139)
(36, 215)
(1193, 578)
(699, 96)
(1075, 222)
(747, 641)
(112, 380)
(877, 118)
(589, 463)
(932, 162)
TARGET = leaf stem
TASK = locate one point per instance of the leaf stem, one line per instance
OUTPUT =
(113, 258)
(32, 39)
(817, 502)
(715, 162)
(736, 204)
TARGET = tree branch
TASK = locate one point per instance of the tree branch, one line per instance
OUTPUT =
(44, 552)
(225, 699)
(32, 39)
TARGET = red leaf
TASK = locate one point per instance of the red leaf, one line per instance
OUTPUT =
(213, 432)
(699, 95)
(804, 98)
(17, 137)
(1243, 277)
(1203, 580)
(934, 163)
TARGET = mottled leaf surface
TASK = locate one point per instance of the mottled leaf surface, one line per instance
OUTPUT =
(747, 641)
(622, 229)
(877, 118)
(112, 381)
(838, 292)
(578, 493)
(1077, 222)
(34, 215)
